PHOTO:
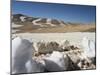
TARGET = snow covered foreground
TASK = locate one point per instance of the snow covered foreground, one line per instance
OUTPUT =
(22, 49)
(22, 61)
(73, 37)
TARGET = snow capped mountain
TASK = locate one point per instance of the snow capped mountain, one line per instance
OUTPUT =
(19, 18)
(23, 23)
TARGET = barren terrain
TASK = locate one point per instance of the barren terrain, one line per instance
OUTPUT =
(63, 29)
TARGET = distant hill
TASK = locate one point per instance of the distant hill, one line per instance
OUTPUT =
(23, 23)
(21, 19)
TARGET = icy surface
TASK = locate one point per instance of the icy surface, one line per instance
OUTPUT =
(88, 47)
(22, 61)
(55, 62)
(73, 38)
(22, 49)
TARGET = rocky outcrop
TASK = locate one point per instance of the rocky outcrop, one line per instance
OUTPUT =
(66, 45)
(47, 47)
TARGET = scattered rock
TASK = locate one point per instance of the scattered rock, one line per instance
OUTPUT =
(86, 64)
(66, 45)
(47, 47)
(51, 56)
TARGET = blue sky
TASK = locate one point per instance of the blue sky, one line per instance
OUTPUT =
(65, 12)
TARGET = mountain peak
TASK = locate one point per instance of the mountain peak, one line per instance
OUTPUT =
(18, 15)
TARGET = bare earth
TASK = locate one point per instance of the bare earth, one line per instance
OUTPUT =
(61, 29)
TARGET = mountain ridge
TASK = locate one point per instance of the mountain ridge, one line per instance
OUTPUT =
(24, 23)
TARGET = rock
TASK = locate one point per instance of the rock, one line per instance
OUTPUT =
(74, 47)
(41, 47)
(53, 46)
(74, 56)
(66, 45)
(86, 64)
(47, 47)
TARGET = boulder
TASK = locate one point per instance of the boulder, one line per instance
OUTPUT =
(47, 47)
(65, 45)
(86, 64)
(53, 46)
